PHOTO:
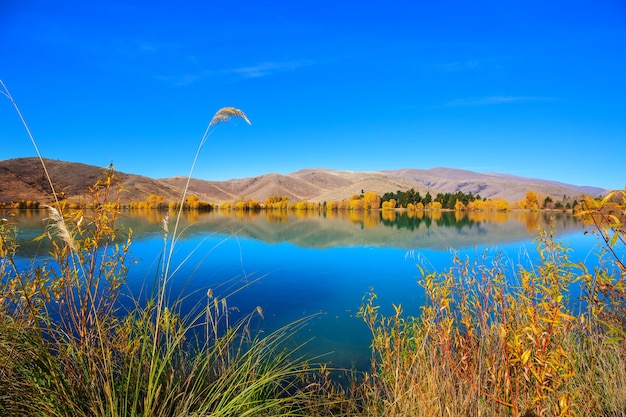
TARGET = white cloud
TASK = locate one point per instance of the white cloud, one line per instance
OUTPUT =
(459, 65)
(490, 100)
(268, 68)
(254, 71)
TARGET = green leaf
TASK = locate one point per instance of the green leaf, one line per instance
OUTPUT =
(613, 340)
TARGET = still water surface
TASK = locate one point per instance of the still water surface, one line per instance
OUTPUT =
(295, 265)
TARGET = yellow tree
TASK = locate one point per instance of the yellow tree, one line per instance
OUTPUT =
(276, 202)
(389, 205)
(530, 202)
(501, 204)
(356, 204)
(156, 201)
(193, 201)
(300, 205)
(371, 200)
(254, 205)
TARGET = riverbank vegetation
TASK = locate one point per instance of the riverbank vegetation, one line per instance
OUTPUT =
(75, 342)
(410, 200)
(491, 339)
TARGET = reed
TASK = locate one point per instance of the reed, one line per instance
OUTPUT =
(69, 348)
(493, 338)
(497, 339)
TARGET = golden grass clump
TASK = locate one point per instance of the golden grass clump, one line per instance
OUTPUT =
(493, 339)
(500, 340)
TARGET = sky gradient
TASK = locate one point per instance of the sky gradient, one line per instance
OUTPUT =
(529, 88)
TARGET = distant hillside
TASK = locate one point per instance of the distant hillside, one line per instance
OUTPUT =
(23, 179)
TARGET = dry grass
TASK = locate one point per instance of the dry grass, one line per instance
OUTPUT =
(67, 348)
(487, 343)
(493, 342)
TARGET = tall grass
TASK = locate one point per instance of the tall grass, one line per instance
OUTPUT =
(491, 341)
(68, 348)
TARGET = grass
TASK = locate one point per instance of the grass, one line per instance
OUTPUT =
(68, 348)
(491, 342)
(488, 341)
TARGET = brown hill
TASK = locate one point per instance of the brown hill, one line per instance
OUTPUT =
(23, 179)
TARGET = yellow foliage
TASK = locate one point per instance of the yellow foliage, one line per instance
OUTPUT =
(276, 202)
(530, 202)
(300, 205)
(155, 201)
(356, 204)
(435, 205)
(389, 205)
(371, 200)
(501, 204)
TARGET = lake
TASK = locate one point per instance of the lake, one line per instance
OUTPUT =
(298, 264)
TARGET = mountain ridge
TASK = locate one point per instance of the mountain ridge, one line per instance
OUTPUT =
(23, 179)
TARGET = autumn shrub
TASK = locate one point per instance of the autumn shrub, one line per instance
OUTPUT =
(498, 339)
(69, 347)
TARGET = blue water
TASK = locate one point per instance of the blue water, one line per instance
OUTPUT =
(322, 268)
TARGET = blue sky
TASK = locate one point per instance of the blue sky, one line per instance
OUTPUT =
(530, 88)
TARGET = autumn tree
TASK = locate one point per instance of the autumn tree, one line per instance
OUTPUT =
(192, 201)
(530, 202)
(501, 204)
(389, 205)
(371, 200)
(276, 202)
(331, 205)
(155, 201)
(300, 205)
(356, 204)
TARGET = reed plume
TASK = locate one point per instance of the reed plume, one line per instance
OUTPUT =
(57, 223)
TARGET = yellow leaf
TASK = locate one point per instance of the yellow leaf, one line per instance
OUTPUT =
(526, 356)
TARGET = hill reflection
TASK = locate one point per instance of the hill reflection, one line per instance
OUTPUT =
(409, 230)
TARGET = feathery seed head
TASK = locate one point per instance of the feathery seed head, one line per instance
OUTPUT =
(165, 224)
(226, 113)
(58, 224)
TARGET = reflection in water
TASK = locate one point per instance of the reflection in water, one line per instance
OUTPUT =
(401, 229)
(338, 228)
(313, 262)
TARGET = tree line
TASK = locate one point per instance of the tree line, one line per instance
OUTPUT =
(412, 197)
(410, 200)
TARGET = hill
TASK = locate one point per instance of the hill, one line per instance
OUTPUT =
(23, 179)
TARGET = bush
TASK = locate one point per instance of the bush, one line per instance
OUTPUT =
(488, 343)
